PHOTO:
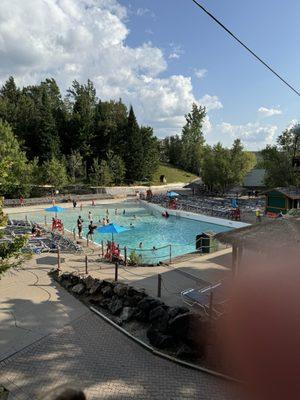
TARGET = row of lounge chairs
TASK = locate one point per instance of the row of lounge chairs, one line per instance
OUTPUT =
(47, 241)
(209, 206)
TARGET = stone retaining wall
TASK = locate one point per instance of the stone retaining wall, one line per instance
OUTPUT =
(174, 329)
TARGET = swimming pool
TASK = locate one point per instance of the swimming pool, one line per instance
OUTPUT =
(148, 228)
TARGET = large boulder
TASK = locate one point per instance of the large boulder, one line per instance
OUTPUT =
(120, 290)
(187, 327)
(148, 303)
(78, 289)
(104, 303)
(158, 339)
(89, 282)
(179, 326)
(159, 318)
(127, 313)
(74, 279)
(132, 301)
(131, 291)
(96, 287)
(107, 291)
(115, 306)
(174, 311)
(144, 307)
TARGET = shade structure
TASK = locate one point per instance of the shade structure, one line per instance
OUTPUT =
(172, 194)
(55, 209)
(111, 228)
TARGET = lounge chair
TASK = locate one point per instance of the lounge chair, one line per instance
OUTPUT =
(211, 299)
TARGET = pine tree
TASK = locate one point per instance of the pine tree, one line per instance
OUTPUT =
(134, 149)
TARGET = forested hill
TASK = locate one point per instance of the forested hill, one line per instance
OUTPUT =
(47, 138)
(87, 134)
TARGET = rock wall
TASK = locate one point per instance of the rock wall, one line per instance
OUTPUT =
(176, 329)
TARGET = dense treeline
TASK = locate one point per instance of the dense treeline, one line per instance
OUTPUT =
(219, 167)
(48, 139)
(76, 138)
(281, 160)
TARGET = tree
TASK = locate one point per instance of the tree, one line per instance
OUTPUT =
(193, 140)
(9, 97)
(81, 102)
(116, 166)
(241, 162)
(101, 174)
(15, 172)
(224, 168)
(109, 129)
(278, 161)
(150, 152)
(175, 151)
(55, 173)
(75, 165)
(134, 149)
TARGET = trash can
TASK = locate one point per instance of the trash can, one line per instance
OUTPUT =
(206, 243)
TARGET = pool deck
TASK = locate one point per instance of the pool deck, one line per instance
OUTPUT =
(187, 272)
(41, 207)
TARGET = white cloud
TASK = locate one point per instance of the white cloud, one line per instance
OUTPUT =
(81, 39)
(269, 112)
(253, 135)
(210, 102)
(176, 51)
(174, 56)
(141, 12)
(200, 73)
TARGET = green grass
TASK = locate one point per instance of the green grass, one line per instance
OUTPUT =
(172, 174)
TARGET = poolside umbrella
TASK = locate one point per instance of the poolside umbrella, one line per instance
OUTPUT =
(54, 209)
(172, 194)
(111, 228)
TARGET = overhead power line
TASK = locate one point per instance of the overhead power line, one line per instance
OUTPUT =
(246, 47)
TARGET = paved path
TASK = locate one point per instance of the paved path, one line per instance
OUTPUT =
(92, 355)
(85, 351)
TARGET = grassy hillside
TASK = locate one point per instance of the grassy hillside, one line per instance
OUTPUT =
(172, 174)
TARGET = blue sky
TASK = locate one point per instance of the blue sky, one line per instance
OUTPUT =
(161, 55)
(270, 27)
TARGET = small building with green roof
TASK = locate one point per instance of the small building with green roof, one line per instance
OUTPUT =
(282, 200)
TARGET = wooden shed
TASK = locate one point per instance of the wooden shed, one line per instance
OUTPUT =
(282, 200)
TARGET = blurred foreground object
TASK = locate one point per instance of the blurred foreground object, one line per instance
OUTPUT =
(263, 326)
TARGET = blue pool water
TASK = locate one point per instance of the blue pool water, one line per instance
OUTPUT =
(149, 227)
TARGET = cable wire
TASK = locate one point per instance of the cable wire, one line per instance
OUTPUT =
(245, 46)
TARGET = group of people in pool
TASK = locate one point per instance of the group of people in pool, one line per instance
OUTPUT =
(92, 227)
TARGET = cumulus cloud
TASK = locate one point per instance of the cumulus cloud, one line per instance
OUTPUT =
(81, 39)
(269, 112)
(253, 135)
(211, 102)
(200, 73)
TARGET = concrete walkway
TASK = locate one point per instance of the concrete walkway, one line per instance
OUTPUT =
(84, 352)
